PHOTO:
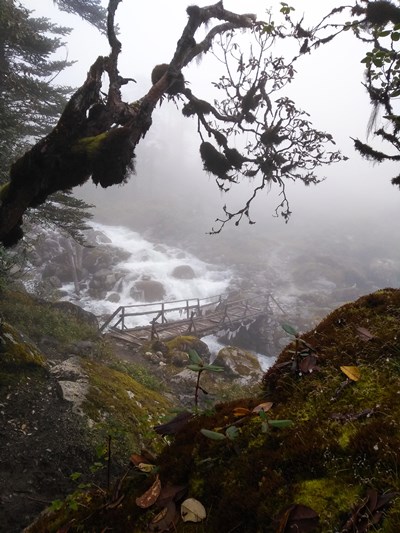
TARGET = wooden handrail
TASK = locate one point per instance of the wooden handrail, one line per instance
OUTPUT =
(243, 308)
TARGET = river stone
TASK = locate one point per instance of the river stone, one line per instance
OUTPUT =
(179, 358)
(238, 362)
(54, 281)
(183, 272)
(151, 290)
(114, 297)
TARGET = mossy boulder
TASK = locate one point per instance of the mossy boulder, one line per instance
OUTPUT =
(16, 352)
(239, 363)
(183, 343)
(337, 461)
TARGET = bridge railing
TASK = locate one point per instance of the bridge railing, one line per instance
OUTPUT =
(159, 310)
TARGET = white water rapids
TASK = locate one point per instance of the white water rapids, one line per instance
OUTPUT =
(156, 262)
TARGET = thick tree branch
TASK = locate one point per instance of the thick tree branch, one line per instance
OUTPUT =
(86, 143)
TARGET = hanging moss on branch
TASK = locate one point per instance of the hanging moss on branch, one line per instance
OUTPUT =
(214, 161)
(97, 133)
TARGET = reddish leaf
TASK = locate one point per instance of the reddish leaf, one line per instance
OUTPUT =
(136, 459)
(308, 364)
(298, 518)
(369, 512)
(364, 334)
(165, 518)
(150, 496)
(384, 499)
(171, 493)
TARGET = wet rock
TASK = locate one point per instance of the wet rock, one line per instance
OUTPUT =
(151, 290)
(179, 358)
(55, 282)
(113, 297)
(183, 272)
(238, 362)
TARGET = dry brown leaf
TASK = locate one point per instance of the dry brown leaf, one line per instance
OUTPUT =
(308, 364)
(170, 493)
(150, 496)
(352, 372)
(136, 459)
(364, 334)
(266, 406)
(164, 519)
(241, 411)
(298, 518)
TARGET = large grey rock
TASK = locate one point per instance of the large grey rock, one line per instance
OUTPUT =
(183, 272)
(73, 382)
(238, 363)
(151, 290)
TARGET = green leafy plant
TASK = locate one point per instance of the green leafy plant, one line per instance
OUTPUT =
(197, 365)
(232, 432)
(305, 359)
(267, 423)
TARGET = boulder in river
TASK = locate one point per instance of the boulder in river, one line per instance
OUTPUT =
(183, 272)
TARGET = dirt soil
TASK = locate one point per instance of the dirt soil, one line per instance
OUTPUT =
(42, 442)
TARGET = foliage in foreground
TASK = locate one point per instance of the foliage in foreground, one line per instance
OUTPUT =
(334, 468)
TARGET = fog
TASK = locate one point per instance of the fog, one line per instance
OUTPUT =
(352, 216)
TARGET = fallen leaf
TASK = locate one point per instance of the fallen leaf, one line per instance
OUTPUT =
(150, 496)
(170, 493)
(364, 334)
(308, 364)
(266, 406)
(352, 372)
(369, 512)
(145, 467)
(298, 518)
(164, 519)
(192, 511)
(241, 411)
(136, 459)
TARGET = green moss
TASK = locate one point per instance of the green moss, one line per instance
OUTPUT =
(16, 352)
(37, 319)
(139, 373)
(345, 438)
(330, 498)
(122, 407)
(89, 145)
(183, 342)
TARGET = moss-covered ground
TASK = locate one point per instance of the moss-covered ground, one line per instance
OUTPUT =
(335, 469)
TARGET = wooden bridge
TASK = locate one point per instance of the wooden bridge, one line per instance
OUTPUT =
(196, 316)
